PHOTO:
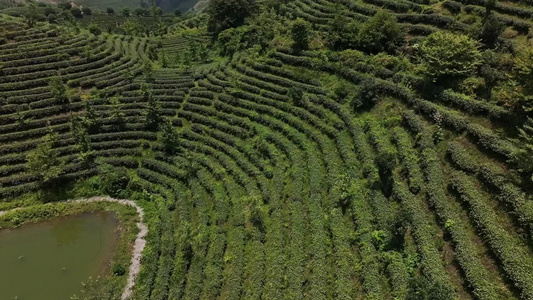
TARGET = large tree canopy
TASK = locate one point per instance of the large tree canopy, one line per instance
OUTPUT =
(224, 14)
(449, 55)
(381, 33)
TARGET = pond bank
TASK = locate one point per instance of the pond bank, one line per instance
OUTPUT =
(139, 244)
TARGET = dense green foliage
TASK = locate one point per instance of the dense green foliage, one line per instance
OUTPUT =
(447, 55)
(381, 33)
(224, 14)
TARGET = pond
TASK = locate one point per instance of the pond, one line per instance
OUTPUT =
(50, 260)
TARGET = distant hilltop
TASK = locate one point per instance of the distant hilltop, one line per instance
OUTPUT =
(166, 5)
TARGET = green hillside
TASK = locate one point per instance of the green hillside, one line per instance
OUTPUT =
(306, 149)
(102, 5)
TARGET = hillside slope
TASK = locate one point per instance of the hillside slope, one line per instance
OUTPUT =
(276, 166)
(166, 5)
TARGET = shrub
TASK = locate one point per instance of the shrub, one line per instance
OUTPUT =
(409, 159)
(461, 158)
(448, 56)
(118, 269)
(421, 289)
(110, 11)
(511, 252)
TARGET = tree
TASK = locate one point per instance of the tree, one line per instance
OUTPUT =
(224, 14)
(49, 10)
(94, 29)
(110, 11)
(381, 33)
(58, 90)
(187, 60)
(523, 70)
(32, 16)
(64, 5)
(66, 15)
(80, 132)
(125, 12)
(177, 13)
(161, 28)
(344, 32)
(523, 74)
(490, 71)
(52, 18)
(86, 11)
(115, 181)
(156, 11)
(192, 49)
(229, 40)
(523, 155)
(489, 6)
(44, 161)
(117, 115)
(275, 4)
(148, 71)
(169, 137)
(91, 118)
(131, 27)
(140, 12)
(368, 95)
(491, 30)
(262, 29)
(203, 53)
(76, 12)
(449, 56)
(22, 116)
(163, 58)
(296, 95)
(153, 109)
(300, 32)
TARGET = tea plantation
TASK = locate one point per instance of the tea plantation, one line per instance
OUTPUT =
(305, 149)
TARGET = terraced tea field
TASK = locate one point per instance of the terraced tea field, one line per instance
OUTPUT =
(260, 175)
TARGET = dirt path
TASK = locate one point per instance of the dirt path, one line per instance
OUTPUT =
(138, 246)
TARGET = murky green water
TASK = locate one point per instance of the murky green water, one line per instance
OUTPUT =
(48, 261)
